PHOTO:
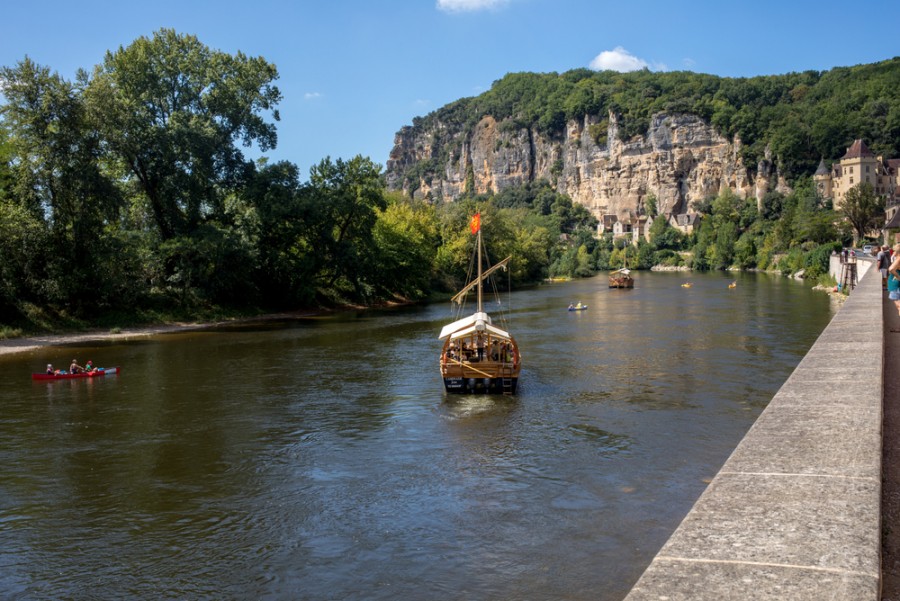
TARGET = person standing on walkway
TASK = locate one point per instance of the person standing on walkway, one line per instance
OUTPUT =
(883, 260)
(893, 279)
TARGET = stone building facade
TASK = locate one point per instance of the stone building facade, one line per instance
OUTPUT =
(859, 165)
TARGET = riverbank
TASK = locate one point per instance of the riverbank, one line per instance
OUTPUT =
(29, 343)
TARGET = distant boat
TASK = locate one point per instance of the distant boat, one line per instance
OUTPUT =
(687, 285)
(621, 278)
(577, 307)
(733, 284)
(477, 356)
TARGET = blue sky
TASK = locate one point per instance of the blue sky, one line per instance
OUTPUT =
(353, 72)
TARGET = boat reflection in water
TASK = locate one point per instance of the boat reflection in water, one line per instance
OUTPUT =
(477, 356)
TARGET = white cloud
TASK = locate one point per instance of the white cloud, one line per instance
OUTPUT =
(312, 95)
(463, 6)
(619, 59)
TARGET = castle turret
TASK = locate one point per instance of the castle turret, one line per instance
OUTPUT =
(823, 181)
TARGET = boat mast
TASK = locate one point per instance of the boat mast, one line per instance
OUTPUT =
(478, 243)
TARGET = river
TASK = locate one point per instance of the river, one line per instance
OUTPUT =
(320, 458)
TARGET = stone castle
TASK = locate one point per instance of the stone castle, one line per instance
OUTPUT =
(859, 166)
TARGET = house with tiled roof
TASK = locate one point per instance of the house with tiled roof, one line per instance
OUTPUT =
(685, 222)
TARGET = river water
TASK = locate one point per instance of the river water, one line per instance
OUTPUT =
(320, 458)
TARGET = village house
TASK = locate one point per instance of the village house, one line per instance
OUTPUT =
(686, 222)
(639, 227)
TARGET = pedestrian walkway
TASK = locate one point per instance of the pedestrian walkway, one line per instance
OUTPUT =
(890, 488)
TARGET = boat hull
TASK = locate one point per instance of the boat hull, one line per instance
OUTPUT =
(481, 385)
(92, 374)
(621, 282)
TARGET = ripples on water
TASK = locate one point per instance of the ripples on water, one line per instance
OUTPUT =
(321, 460)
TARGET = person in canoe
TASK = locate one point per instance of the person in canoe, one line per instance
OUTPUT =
(75, 368)
(50, 370)
(89, 366)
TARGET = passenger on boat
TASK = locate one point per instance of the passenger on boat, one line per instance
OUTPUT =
(479, 345)
(75, 368)
(90, 366)
(50, 371)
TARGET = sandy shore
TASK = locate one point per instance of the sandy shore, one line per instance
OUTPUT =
(30, 343)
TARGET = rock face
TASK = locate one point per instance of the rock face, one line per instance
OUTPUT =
(681, 159)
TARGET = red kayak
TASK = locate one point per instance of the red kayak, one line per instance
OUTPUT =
(100, 371)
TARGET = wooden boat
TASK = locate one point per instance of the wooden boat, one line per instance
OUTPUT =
(621, 278)
(578, 307)
(100, 371)
(477, 356)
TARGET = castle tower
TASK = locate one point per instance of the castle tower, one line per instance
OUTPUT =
(822, 179)
(857, 166)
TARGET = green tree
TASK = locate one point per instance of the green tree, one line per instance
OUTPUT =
(173, 112)
(664, 236)
(348, 195)
(57, 179)
(285, 237)
(863, 209)
(405, 238)
(650, 204)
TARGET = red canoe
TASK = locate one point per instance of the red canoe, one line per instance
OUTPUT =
(100, 371)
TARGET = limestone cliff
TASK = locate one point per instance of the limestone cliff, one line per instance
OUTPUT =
(679, 160)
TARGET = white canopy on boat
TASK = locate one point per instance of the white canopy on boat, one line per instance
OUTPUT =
(477, 322)
(497, 332)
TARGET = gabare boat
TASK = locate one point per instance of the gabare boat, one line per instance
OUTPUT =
(477, 356)
(621, 278)
(100, 371)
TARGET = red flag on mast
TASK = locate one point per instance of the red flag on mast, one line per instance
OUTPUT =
(475, 224)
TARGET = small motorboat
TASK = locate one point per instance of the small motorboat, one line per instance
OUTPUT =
(733, 284)
(577, 307)
(687, 285)
(96, 373)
